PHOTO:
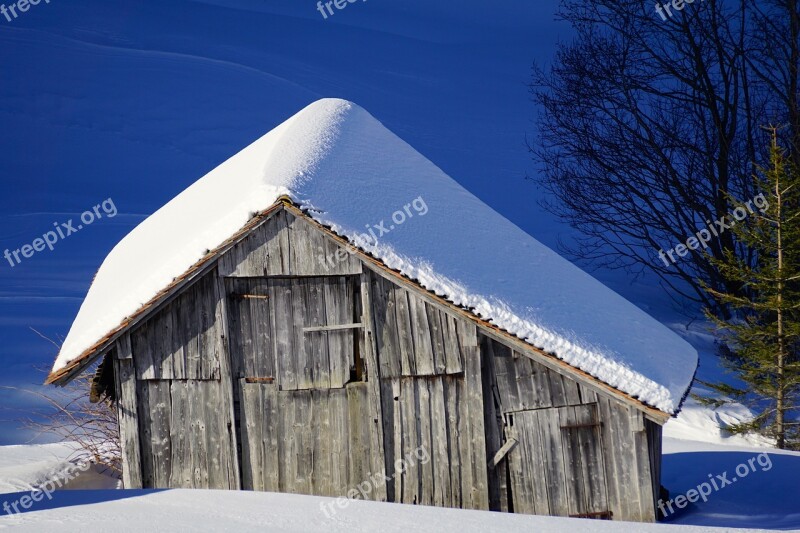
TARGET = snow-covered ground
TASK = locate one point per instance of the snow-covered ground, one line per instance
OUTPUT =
(765, 498)
(185, 510)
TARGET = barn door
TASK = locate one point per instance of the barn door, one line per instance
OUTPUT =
(557, 468)
(303, 410)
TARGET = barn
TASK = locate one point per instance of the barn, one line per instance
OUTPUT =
(329, 313)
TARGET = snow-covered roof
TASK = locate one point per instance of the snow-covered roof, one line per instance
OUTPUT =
(352, 174)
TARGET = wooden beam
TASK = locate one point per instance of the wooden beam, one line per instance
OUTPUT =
(334, 327)
(509, 445)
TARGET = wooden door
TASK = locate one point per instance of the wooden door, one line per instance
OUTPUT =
(557, 468)
(303, 409)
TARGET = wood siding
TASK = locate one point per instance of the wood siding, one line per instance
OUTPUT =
(182, 341)
(273, 325)
(286, 245)
(580, 451)
(307, 441)
(432, 399)
(183, 406)
(293, 366)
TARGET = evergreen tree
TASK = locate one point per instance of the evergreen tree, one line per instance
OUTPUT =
(764, 333)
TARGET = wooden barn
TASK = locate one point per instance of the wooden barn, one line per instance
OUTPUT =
(287, 359)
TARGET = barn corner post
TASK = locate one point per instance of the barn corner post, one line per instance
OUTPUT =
(226, 376)
(125, 384)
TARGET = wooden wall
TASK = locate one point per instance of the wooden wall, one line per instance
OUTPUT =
(183, 409)
(432, 399)
(580, 452)
(292, 366)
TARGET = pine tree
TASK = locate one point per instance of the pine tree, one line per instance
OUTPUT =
(764, 333)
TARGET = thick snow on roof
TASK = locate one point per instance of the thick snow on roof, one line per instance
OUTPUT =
(354, 175)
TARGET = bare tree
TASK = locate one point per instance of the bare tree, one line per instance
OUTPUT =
(69, 415)
(82, 412)
(649, 127)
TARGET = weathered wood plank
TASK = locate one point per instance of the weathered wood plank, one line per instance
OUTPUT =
(453, 389)
(549, 422)
(421, 331)
(454, 359)
(410, 441)
(644, 478)
(127, 406)
(575, 473)
(387, 343)
(493, 422)
(436, 332)
(591, 444)
(506, 372)
(372, 374)
(305, 305)
(521, 467)
(613, 459)
(340, 294)
(422, 413)
(478, 495)
(439, 452)
(280, 292)
(340, 442)
(392, 436)
(181, 436)
(405, 331)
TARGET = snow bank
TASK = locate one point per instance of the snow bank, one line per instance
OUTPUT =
(352, 174)
(242, 511)
(25, 467)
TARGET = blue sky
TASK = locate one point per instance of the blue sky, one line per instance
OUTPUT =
(133, 101)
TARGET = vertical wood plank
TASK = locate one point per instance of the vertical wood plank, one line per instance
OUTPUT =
(421, 331)
(373, 378)
(454, 359)
(339, 298)
(387, 348)
(434, 319)
(468, 339)
(281, 294)
(405, 332)
(127, 406)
